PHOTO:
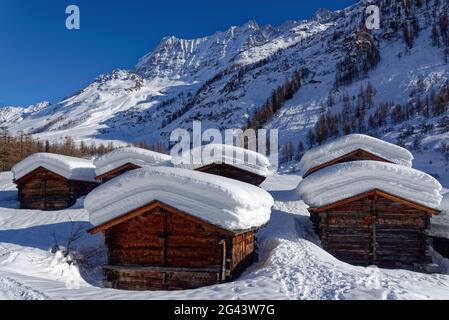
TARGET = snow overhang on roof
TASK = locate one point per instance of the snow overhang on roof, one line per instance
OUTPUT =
(346, 180)
(241, 158)
(347, 144)
(137, 156)
(227, 203)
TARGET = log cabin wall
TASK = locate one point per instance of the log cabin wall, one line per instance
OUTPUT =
(163, 249)
(375, 231)
(45, 190)
(228, 171)
(358, 155)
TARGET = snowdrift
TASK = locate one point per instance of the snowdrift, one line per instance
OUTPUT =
(347, 144)
(70, 168)
(140, 157)
(227, 203)
(345, 180)
(248, 160)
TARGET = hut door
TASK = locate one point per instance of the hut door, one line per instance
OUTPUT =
(44, 192)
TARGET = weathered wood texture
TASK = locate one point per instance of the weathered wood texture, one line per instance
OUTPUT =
(375, 230)
(45, 190)
(243, 253)
(116, 172)
(357, 155)
(441, 245)
(228, 171)
(176, 251)
(131, 278)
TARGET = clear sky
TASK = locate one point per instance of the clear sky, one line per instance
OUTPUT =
(41, 60)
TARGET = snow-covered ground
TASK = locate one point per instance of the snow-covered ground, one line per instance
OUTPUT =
(292, 264)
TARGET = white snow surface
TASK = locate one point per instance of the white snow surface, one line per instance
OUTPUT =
(69, 167)
(221, 153)
(349, 143)
(292, 264)
(122, 156)
(224, 202)
(345, 180)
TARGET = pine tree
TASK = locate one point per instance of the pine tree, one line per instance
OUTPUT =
(321, 130)
(330, 100)
(310, 138)
(300, 151)
(408, 38)
(435, 36)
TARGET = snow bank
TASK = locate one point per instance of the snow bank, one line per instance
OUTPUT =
(345, 180)
(119, 157)
(69, 167)
(347, 144)
(440, 223)
(220, 153)
(228, 203)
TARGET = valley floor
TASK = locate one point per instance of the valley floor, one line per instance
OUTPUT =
(292, 264)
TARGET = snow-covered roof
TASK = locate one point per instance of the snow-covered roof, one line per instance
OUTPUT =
(119, 157)
(227, 203)
(68, 167)
(347, 144)
(345, 180)
(220, 153)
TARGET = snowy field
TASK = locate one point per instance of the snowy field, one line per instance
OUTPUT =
(292, 264)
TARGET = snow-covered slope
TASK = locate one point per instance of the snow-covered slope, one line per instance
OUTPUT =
(178, 81)
(223, 79)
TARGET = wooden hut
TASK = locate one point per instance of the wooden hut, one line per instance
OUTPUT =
(173, 229)
(52, 182)
(120, 161)
(353, 147)
(229, 162)
(371, 213)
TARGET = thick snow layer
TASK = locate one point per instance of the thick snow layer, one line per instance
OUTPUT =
(353, 142)
(68, 167)
(345, 180)
(220, 153)
(228, 203)
(122, 156)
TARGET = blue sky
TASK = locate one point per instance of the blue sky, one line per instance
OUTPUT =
(41, 60)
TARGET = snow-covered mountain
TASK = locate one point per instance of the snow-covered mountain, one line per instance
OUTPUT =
(226, 78)
(182, 79)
